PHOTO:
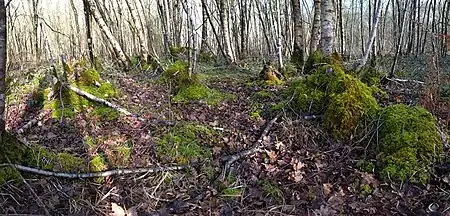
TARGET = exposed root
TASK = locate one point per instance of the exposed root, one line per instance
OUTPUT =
(116, 172)
(256, 148)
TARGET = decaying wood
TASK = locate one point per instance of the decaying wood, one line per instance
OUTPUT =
(116, 172)
(256, 148)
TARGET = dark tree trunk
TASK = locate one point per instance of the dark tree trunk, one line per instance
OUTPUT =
(2, 67)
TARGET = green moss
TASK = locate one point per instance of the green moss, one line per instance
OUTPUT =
(89, 77)
(178, 51)
(35, 156)
(366, 166)
(343, 99)
(409, 144)
(350, 101)
(290, 70)
(120, 155)
(365, 190)
(271, 190)
(317, 59)
(98, 164)
(232, 192)
(178, 75)
(263, 94)
(90, 142)
(200, 92)
(371, 76)
(184, 144)
(105, 112)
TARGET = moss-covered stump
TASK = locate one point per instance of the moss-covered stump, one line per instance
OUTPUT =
(36, 156)
(66, 103)
(409, 144)
(186, 143)
(188, 87)
(343, 99)
(270, 75)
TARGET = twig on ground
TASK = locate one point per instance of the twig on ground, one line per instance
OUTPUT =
(93, 174)
(405, 80)
(256, 148)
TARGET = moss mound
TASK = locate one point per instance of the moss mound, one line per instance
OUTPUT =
(35, 156)
(409, 144)
(187, 86)
(342, 98)
(66, 103)
(317, 59)
(183, 145)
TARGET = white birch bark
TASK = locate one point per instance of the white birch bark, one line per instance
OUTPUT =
(327, 27)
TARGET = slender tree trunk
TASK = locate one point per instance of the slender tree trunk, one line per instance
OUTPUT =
(279, 38)
(139, 31)
(35, 29)
(400, 38)
(223, 11)
(123, 59)
(87, 19)
(299, 47)
(3, 51)
(327, 26)
(77, 26)
(373, 34)
(204, 46)
(315, 33)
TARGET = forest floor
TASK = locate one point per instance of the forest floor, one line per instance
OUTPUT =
(301, 170)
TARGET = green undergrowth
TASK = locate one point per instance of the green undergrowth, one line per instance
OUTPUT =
(66, 103)
(187, 143)
(35, 156)
(271, 190)
(188, 87)
(409, 144)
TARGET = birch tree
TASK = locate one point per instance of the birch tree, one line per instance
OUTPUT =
(123, 59)
(139, 32)
(298, 54)
(327, 27)
(224, 18)
(373, 34)
(315, 32)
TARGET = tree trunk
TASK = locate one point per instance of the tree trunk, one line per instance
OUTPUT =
(327, 25)
(299, 47)
(223, 11)
(3, 48)
(279, 38)
(35, 29)
(315, 34)
(399, 41)
(77, 25)
(87, 19)
(139, 31)
(204, 46)
(373, 34)
(123, 59)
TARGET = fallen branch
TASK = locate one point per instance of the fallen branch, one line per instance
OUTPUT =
(117, 107)
(99, 100)
(405, 80)
(117, 172)
(31, 123)
(256, 148)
